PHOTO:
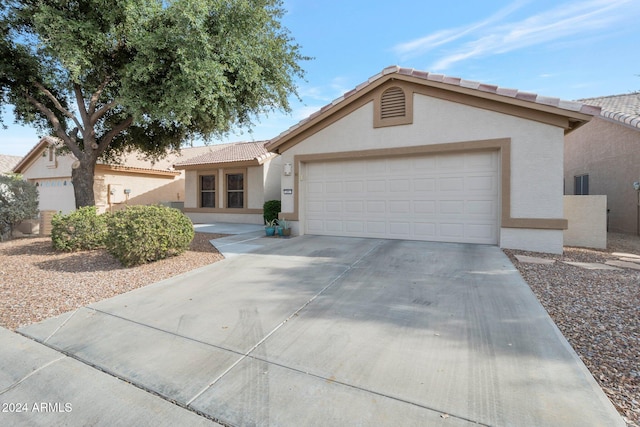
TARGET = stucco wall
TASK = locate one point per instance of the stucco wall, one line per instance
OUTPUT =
(144, 190)
(536, 155)
(587, 217)
(609, 153)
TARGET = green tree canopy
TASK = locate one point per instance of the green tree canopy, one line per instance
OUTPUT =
(18, 201)
(107, 76)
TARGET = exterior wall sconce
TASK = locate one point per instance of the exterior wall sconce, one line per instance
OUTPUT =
(287, 169)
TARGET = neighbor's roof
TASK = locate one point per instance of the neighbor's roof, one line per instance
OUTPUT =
(233, 153)
(7, 163)
(531, 100)
(621, 108)
(34, 152)
(133, 162)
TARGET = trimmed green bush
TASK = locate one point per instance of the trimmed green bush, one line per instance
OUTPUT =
(141, 234)
(271, 209)
(82, 229)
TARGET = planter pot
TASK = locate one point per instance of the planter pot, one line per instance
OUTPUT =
(284, 231)
(270, 231)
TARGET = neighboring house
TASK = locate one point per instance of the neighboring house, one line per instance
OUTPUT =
(231, 184)
(603, 158)
(133, 182)
(414, 155)
(7, 163)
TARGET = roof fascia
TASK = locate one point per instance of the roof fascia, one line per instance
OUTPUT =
(361, 95)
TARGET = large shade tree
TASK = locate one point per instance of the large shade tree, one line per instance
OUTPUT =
(108, 76)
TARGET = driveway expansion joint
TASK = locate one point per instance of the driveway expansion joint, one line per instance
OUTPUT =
(274, 330)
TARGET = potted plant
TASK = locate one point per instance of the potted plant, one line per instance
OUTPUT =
(283, 228)
(270, 227)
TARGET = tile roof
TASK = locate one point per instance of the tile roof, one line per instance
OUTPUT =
(238, 152)
(134, 161)
(455, 82)
(7, 163)
(621, 108)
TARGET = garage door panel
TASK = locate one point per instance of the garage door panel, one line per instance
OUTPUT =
(424, 163)
(376, 207)
(332, 207)
(484, 183)
(354, 187)
(354, 206)
(424, 185)
(452, 207)
(480, 207)
(376, 186)
(376, 227)
(481, 161)
(424, 206)
(451, 231)
(425, 230)
(451, 184)
(400, 230)
(400, 206)
(480, 231)
(452, 197)
(375, 167)
(354, 227)
(400, 185)
(333, 187)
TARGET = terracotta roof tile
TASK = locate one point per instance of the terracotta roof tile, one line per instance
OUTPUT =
(621, 108)
(238, 152)
(576, 107)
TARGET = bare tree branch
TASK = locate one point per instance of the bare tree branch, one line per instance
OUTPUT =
(81, 106)
(101, 112)
(57, 104)
(108, 137)
(56, 124)
(96, 96)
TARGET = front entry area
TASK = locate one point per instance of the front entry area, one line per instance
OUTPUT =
(450, 197)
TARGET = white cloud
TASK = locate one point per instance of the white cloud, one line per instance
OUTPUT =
(424, 44)
(496, 36)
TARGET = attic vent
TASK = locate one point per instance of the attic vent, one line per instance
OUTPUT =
(392, 103)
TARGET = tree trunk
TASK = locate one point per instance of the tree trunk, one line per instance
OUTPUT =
(83, 184)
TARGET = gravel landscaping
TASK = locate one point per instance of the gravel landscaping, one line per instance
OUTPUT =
(596, 310)
(37, 282)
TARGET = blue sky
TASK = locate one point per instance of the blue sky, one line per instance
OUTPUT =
(569, 49)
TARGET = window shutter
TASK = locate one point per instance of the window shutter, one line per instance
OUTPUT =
(393, 103)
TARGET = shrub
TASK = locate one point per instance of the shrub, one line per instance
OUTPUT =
(271, 209)
(142, 234)
(18, 201)
(82, 229)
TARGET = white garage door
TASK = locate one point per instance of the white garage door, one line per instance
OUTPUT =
(445, 197)
(56, 195)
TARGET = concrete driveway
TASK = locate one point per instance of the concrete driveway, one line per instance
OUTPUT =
(341, 331)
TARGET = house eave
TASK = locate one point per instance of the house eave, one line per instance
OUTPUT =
(566, 114)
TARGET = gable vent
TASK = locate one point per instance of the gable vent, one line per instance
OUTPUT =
(392, 103)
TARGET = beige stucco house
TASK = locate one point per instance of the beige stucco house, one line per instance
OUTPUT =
(135, 181)
(231, 184)
(603, 158)
(414, 155)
